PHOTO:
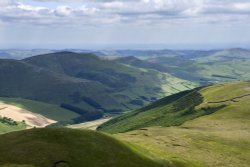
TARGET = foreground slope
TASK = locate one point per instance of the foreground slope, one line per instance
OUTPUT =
(67, 148)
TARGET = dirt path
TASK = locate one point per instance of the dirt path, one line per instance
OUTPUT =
(19, 114)
(232, 99)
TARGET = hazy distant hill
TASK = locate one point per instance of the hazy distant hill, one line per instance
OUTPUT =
(22, 53)
(136, 62)
(208, 66)
(202, 66)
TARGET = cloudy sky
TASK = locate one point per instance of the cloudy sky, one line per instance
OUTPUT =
(89, 24)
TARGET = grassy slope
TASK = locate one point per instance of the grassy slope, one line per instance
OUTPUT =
(177, 109)
(5, 128)
(74, 148)
(172, 110)
(48, 110)
(220, 139)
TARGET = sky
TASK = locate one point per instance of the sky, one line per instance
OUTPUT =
(124, 24)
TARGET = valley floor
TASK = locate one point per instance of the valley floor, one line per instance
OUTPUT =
(92, 125)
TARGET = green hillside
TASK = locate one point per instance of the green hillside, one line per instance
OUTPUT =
(179, 108)
(127, 82)
(67, 148)
(85, 83)
(22, 80)
(218, 138)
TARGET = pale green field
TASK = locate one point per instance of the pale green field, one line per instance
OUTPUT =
(7, 128)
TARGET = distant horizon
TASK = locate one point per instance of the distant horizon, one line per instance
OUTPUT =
(139, 47)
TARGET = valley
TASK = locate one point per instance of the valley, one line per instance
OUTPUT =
(121, 111)
(124, 83)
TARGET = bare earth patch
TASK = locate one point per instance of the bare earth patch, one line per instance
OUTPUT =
(19, 114)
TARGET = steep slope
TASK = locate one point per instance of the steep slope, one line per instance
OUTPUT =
(69, 148)
(19, 79)
(181, 107)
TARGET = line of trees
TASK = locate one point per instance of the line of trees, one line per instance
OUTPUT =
(8, 121)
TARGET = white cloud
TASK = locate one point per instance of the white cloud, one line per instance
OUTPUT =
(118, 11)
(63, 11)
(114, 5)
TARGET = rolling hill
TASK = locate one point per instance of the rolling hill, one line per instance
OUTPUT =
(68, 148)
(85, 83)
(202, 66)
(208, 126)
(22, 80)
